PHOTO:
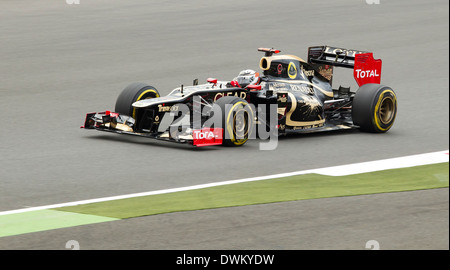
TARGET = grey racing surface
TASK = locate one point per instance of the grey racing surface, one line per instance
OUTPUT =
(60, 61)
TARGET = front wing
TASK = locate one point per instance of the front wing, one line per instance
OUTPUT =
(121, 124)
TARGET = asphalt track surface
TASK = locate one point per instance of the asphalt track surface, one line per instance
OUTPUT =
(60, 61)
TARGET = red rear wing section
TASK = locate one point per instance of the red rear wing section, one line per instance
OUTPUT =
(366, 69)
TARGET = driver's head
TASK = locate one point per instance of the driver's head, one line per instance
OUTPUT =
(247, 77)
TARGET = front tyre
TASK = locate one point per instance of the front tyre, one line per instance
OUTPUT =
(374, 108)
(132, 93)
(236, 118)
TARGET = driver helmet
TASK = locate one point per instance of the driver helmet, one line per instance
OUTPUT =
(247, 77)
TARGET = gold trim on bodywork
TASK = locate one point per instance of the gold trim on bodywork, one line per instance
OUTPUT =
(268, 60)
(118, 126)
(325, 92)
(290, 122)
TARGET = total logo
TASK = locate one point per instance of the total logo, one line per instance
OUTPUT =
(366, 73)
(199, 135)
(207, 136)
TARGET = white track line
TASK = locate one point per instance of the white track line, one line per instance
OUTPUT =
(364, 167)
(387, 164)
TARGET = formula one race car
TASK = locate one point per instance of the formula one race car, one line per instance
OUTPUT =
(291, 96)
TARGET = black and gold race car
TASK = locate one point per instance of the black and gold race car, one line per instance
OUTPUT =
(290, 95)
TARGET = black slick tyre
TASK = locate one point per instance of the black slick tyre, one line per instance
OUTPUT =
(132, 93)
(374, 108)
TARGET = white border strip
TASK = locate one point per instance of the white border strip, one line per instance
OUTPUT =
(387, 164)
(364, 167)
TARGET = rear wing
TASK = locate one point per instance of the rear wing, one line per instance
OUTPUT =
(337, 57)
(366, 69)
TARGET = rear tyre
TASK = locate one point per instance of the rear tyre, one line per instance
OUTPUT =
(237, 119)
(132, 93)
(374, 108)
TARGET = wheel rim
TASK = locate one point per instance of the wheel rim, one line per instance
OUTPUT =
(386, 110)
(240, 124)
